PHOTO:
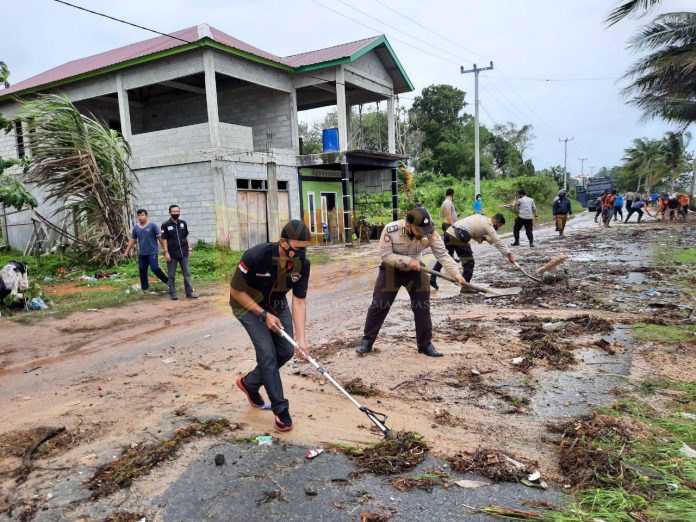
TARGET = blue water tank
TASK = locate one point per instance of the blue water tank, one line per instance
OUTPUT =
(329, 138)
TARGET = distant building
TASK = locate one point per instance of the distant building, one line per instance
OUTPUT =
(213, 127)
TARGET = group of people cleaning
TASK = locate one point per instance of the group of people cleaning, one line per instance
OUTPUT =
(611, 204)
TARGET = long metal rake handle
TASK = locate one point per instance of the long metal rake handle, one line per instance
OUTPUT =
(378, 419)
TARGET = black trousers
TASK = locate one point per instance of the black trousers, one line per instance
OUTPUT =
(389, 281)
(272, 352)
(598, 213)
(631, 212)
(618, 211)
(466, 256)
(528, 225)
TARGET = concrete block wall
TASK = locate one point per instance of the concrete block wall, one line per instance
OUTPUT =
(176, 109)
(236, 136)
(102, 109)
(373, 66)
(189, 186)
(164, 143)
(263, 110)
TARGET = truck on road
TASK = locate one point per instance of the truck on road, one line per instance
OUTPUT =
(587, 194)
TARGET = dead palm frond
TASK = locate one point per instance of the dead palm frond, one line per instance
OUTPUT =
(81, 166)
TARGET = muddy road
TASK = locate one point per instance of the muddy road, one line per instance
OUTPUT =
(120, 377)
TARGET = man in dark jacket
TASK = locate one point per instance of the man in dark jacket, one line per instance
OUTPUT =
(175, 233)
(265, 274)
(561, 210)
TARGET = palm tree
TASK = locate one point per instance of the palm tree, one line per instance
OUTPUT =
(630, 8)
(663, 82)
(82, 166)
(673, 157)
(643, 162)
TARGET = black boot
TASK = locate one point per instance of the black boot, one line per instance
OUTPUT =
(430, 351)
(516, 243)
(433, 282)
(364, 347)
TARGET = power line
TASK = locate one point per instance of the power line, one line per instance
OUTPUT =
(598, 79)
(121, 21)
(183, 40)
(439, 35)
(400, 30)
(380, 31)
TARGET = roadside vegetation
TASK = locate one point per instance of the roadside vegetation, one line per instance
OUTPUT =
(57, 280)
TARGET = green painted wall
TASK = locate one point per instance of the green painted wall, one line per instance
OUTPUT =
(317, 187)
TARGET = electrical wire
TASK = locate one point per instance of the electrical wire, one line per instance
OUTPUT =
(401, 31)
(381, 32)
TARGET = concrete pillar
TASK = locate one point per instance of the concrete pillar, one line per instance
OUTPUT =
(391, 126)
(349, 127)
(347, 230)
(211, 97)
(223, 234)
(272, 201)
(294, 131)
(123, 108)
(341, 109)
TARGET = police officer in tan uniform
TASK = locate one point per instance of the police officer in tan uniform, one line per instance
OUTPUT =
(400, 248)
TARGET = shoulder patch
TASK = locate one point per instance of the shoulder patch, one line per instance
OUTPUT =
(392, 228)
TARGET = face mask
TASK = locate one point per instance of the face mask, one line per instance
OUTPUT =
(293, 252)
(175, 216)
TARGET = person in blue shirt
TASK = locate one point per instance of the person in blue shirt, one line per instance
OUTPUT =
(618, 206)
(147, 234)
(478, 204)
(653, 198)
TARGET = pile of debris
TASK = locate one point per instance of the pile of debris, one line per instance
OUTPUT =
(399, 452)
(494, 465)
(591, 447)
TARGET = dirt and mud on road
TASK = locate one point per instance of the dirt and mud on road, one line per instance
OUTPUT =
(124, 382)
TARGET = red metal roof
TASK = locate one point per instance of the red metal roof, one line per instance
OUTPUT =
(328, 54)
(182, 37)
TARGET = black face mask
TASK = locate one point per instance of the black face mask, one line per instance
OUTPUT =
(175, 216)
(296, 252)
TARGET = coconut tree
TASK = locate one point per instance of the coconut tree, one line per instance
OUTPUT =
(82, 167)
(630, 8)
(673, 155)
(643, 163)
(663, 82)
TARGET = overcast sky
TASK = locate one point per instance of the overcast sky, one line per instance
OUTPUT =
(527, 40)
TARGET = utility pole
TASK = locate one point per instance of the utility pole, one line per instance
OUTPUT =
(582, 165)
(565, 162)
(477, 158)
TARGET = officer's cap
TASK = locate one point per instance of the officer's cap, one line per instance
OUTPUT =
(420, 218)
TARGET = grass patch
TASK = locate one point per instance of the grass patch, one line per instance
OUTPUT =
(672, 334)
(636, 468)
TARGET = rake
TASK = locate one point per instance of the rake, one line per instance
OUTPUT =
(378, 419)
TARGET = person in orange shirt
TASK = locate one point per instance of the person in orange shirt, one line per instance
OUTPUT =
(608, 206)
(684, 201)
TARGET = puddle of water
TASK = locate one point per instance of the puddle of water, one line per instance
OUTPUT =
(610, 258)
(569, 393)
(635, 278)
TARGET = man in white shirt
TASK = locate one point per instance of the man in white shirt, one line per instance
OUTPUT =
(526, 211)
(474, 228)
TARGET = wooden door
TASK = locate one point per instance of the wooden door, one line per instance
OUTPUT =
(253, 221)
(283, 208)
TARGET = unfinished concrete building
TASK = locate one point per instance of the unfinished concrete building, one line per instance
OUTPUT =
(213, 126)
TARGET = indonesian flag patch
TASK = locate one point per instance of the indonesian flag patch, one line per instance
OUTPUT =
(243, 267)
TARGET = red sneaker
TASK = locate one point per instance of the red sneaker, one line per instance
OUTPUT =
(283, 422)
(254, 397)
